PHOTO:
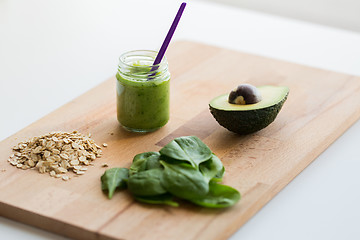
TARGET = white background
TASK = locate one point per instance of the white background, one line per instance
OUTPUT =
(336, 13)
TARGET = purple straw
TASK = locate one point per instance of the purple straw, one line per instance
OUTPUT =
(168, 38)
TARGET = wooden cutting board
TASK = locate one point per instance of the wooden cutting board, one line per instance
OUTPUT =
(320, 107)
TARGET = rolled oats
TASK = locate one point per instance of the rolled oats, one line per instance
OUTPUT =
(74, 162)
(82, 159)
(65, 177)
(56, 153)
(52, 173)
(104, 165)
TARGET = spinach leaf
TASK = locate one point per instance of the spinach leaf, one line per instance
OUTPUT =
(219, 176)
(219, 196)
(144, 161)
(114, 178)
(146, 183)
(158, 199)
(184, 181)
(185, 168)
(137, 166)
(153, 161)
(212, 168)
(189, 148)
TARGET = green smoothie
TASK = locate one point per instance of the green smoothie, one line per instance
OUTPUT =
(142, 105)
(142, 97)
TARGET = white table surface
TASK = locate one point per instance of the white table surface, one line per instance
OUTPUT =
(53, 51)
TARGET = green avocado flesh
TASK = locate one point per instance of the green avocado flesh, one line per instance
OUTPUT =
(245, 119)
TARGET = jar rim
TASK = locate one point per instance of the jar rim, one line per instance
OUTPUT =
(137, 65)
(152, 53)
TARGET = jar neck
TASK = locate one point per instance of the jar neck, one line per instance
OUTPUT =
(138, 66)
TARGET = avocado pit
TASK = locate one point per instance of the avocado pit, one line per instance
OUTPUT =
(245, 94)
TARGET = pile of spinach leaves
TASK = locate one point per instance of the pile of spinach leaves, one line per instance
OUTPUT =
(185, 168)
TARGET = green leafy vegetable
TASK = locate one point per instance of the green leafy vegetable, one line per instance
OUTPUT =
(184, 181)
(219, 196)
(146, 183)
(185, 168)
(138, 166)
(159, 199)
(212, 168)
(144, 161)
(219, 176)
(190, 149)
(153, 161)
(114, 178)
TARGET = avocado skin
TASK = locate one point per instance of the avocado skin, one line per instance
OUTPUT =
(246, 122)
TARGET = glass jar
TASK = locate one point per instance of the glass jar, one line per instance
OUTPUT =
(143, 91)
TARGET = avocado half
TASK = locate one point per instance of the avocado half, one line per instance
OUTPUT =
(249, 118)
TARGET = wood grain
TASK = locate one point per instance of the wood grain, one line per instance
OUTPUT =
(320, 107)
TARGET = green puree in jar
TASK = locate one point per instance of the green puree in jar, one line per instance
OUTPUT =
(142, 102)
